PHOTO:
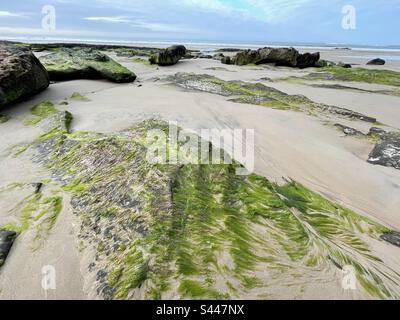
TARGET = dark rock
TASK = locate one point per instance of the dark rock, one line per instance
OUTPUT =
(345, 112)
(77, 63)
(348, 130)
(101, 275)
(289, 57)
(344, 65)
(324, 63)
(376, 62)
(226, 60)
(219, 56)
(6, 241)
(374, 131)
(201, 55)
(387, 152)
(21, 73)
(37, 186)
(392, 237)
(169, 56)
(307, 60)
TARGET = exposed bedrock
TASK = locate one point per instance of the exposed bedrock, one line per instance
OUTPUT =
(21, 73)
(84, 63)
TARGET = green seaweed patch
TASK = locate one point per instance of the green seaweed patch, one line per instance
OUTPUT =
(78, 96)
(41, 111)
(130, 272)
(386, 77)
(39, 211)
(141, 60)
(190, 228)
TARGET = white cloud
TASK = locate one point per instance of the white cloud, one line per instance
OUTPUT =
(10, 14)
(152, 26)
(277, 10)
(109, 19)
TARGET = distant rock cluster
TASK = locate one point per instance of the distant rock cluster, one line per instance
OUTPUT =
(289, 57)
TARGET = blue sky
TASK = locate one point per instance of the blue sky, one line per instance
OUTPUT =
(224, 21)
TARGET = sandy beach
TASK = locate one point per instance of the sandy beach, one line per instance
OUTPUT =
(288, 145)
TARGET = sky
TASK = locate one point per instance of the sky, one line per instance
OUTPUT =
(367, 22)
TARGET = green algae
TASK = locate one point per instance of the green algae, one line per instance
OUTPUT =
(146, 62)
(35, 210)
(186, 228)
(4, 118)
(75, 63)
(262, 95)
(40, 112)
(386, 77)
(372, 76)
(130, 273)
(78, 96)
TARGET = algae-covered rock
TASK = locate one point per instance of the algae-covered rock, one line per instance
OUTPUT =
(169, 56)
(6, 241)
(189, 230)
(226, 60)
(348, 131)
(21, 73)
(4, 118)
(260, 94)
(307, 60)
(376, 62)
(77, 63)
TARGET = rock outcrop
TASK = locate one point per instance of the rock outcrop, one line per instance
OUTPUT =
(376, 62)
(387, 151)
(289, 57)
(84, 63)
(6, 241)
(392, 237)
(21, 73)
(169, 56)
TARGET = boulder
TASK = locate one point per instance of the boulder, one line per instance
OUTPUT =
(84, 63)
(387, 152)
(307, 60)
(392, 237)
(21, 73)
(6, 241)
(289, 57)
(344, 65)
(226, 60)
(376, 62)
(169, 56)
(218, 56)
(324, 63)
